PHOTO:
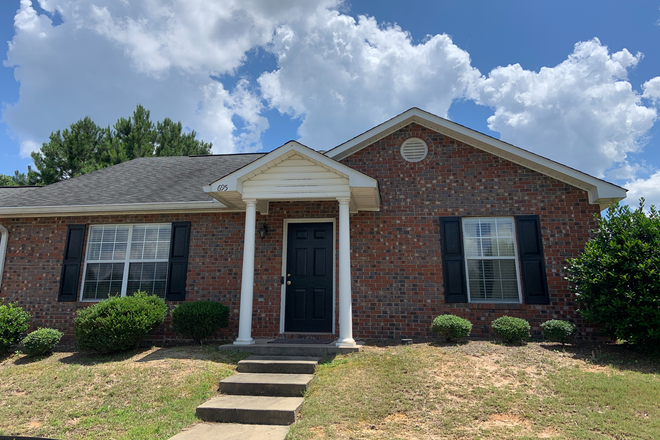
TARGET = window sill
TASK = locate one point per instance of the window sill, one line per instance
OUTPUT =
(491, 306)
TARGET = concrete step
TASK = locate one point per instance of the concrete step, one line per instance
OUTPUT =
(232, 431)
(278, 364)
(266, 384)
(255, 410)
(262, 348)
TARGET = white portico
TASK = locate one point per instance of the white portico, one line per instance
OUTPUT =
(295, 172)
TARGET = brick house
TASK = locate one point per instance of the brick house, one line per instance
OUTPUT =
(414, 218)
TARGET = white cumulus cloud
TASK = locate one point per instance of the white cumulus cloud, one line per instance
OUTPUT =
(107, 56)
(343, 76)
(652, 89)
(648, 188)
(582, 112)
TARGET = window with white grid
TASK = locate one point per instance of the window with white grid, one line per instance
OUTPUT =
(122, 259)
(491, 259)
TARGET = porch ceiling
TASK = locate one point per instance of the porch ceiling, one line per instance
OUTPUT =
(295, 172)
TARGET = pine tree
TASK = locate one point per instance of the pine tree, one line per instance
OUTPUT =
(86, 147)
(69, 153)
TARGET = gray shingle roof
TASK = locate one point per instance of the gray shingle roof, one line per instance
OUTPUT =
(10, 191)
(142, 180)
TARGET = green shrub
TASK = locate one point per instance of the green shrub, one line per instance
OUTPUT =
(13, 323)
(617, 277)
(200, 319)
(558, 331)
(451, 327)
(514, 330)
(118, 324)
(41, 341)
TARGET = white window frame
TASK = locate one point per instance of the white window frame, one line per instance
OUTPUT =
(515, 257)
(127, 259)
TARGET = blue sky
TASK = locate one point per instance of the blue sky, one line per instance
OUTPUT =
(578, 82)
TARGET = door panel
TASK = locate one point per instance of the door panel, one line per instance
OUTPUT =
(308, 306)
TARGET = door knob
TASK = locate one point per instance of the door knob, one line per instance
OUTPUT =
(288, 283)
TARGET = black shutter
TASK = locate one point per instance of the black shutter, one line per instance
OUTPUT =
(453, 265)
(532, 263)
(73, 253)
(178, 265)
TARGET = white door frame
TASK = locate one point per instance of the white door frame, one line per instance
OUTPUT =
(285, 238)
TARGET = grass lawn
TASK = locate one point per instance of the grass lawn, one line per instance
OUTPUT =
(145, 394)
(481, 390)
(476, 390)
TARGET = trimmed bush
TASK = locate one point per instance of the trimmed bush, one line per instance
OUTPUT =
(13, 324)
(558, 331)
(512, 330)
(451, 327)
(200, 319)
(616, 280)
(118, 324)
(41, 341)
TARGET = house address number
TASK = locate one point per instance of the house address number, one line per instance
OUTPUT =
(222, 187)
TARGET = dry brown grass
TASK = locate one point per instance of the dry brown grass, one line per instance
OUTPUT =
(146, 394)
(481, 390)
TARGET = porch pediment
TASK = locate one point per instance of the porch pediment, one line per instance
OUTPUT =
(295, 172)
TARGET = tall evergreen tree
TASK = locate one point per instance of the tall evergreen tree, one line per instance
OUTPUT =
(132, 137)
(171, 141)
(19, 179)
(69, 153)
(85, 147)
(6, 180)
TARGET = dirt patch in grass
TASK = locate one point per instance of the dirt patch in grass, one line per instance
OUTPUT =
(144, 394)
(483, 390)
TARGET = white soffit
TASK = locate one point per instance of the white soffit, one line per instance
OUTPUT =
(600, 192)
(295, 172)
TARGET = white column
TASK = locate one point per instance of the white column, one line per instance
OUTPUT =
(345, 307)
(247, 283)
(4, 238)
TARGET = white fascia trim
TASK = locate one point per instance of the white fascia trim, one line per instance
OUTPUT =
(600, 191)
(234, 180)
(4, 239)
(123, 208)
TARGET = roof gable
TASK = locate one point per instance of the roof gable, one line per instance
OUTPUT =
(295, 172)
(599, 191)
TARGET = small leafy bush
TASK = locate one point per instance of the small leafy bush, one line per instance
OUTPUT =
(558, 331)
(616, 279)
(118, 324)
(200, 319)
(512, 330)
(41, 341)
(13, 324)
(451, 327)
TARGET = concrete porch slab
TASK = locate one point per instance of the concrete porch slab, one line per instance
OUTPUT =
(261, 347)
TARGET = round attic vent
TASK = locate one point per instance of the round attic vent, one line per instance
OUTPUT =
(414, 150)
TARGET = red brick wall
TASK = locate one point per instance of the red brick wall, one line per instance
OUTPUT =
(396, 259)
(34, 262)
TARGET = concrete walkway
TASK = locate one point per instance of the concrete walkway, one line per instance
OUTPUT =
(257, 403)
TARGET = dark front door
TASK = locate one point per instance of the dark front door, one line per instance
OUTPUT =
(309, 278)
